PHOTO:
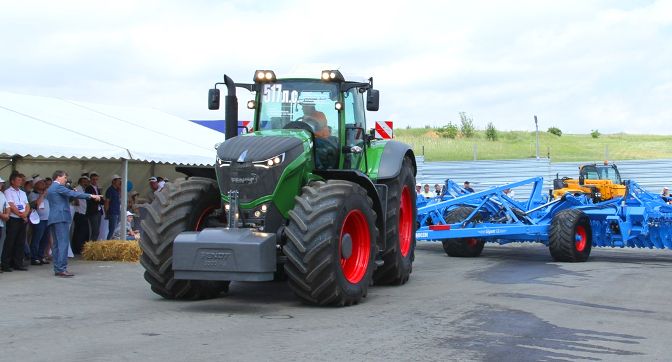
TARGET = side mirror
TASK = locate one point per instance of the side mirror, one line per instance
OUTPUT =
(372, 100)
(213, 99)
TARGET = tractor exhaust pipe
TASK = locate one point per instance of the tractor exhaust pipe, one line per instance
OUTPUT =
(231, 109)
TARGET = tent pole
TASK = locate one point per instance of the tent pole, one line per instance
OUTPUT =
(124, 199)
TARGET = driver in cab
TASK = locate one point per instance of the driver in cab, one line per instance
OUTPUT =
(322, 131)
(326, 147)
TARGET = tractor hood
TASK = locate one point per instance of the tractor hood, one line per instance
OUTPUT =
(253, 164)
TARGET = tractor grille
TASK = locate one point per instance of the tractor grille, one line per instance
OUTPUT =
(237, 170)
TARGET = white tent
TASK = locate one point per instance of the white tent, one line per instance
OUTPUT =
(50, 127)
(37, 129)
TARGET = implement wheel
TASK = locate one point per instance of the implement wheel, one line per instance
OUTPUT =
(570, 238)
(183, 205)
(464, 247)
(400, 234)
(331, 243)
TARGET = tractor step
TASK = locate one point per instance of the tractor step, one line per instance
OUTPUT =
(225, 254)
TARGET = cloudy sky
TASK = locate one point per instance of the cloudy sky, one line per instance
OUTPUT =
(578, 65)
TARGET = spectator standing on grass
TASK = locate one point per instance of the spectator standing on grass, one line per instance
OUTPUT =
(467, 186)
(4, 212)
(94, 209)
(113, 205)
(40, 238)
(12, 253)
(59, 220)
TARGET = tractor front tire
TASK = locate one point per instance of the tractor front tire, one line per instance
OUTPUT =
(331, 243)
(399, 252)
(464, 247)
(182, 205)
(570, 237)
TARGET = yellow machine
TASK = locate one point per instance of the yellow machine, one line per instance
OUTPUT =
(601, 182)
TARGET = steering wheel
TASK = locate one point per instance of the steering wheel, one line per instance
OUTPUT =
(299, 125)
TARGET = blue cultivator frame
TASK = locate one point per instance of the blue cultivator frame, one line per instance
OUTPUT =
(570, 225)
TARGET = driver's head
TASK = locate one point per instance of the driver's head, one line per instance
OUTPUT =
(322, 129)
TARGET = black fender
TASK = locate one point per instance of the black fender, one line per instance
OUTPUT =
(392, 158)
(197, 171)
(377, 196)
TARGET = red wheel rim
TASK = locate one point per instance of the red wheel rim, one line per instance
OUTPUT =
(472, 242)
(201, 218)
(405, 221)
(354, 268)
(580, 238)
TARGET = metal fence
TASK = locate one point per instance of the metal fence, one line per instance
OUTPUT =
(651, 174)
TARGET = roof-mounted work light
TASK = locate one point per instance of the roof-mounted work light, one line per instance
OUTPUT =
(264, 76)
(332, 76)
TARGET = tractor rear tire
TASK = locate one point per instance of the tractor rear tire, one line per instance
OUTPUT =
(182, 205)
(399, 253)
(331, 243)
(570, 237)
(464, 247)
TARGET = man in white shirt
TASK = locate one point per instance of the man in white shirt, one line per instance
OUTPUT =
(12, 253)
(4, 213)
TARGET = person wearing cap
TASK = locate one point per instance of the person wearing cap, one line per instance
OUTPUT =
(130, 233)
(467, 186)
(113, 205)
(418, 188)
(94, 209)
(40, 238)
(15, 240)
(4, 211)
(59, 220)
(81, 231)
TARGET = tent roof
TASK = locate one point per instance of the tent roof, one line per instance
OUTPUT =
(44, 127)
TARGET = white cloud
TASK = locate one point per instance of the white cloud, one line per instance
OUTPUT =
(577, 65)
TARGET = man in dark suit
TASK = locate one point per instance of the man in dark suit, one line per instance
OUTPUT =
(60, 219)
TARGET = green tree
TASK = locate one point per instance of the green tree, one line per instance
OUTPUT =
(491, 132)
(448, 131)
(555, 130)
(595, 133)
(467, 125)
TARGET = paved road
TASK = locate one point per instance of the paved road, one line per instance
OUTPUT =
(510, 304)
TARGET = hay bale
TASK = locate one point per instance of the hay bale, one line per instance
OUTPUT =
(112, 250)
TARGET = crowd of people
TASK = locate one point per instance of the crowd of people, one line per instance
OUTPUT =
(426, 192)
(39, 216)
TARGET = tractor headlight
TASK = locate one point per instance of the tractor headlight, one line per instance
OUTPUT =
(222, 163)
(271, 162)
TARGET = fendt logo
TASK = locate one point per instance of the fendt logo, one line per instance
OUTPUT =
(246, 180)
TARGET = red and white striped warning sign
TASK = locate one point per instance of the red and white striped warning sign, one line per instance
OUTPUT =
(384, 130)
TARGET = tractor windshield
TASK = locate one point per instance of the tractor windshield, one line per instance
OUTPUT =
(298, 100)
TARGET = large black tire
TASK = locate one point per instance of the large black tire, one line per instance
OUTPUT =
(570, 238)
(181, 205)
(324, 213)
(401, 225)
(464, 247)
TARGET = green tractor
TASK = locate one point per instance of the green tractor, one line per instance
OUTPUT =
(309, 196)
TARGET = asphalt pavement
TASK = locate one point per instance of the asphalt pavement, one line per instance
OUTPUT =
(511, 304)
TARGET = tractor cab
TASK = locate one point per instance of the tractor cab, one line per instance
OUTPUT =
(600, 182)
(600, 172)
(331, 109)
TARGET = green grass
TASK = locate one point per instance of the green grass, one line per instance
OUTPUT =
(520, 144)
